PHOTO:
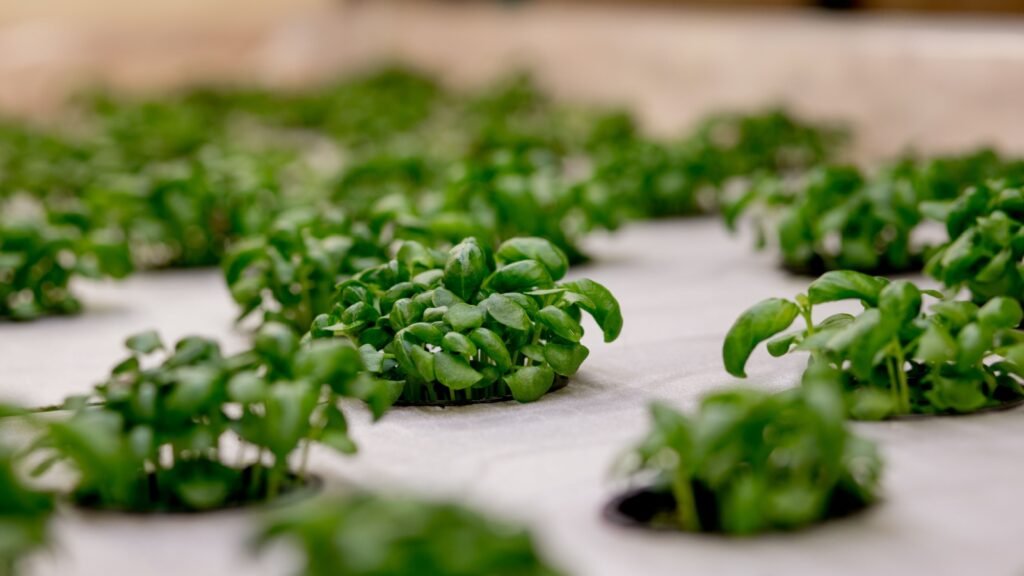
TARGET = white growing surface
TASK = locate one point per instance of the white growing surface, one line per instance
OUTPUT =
(951, 506)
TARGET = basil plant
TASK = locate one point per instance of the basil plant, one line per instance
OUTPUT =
(365, 535)
(289, 274)
(837, 218)
(748, 462)
(894, 356)
(42, 251)
(986, 247)
(467, 326)
(190, 428)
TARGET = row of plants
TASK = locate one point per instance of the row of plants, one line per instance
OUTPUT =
(213, 176)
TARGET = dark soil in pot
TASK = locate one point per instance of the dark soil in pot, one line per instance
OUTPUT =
(445, 401)
(654, 510)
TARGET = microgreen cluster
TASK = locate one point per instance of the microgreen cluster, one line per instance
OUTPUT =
(893, 356)
(986, 247)
(40, 254)
(190, 428)
(365, 535)
(467, 325)
(834, 217)
(290, 273)
(749, 462)
(24, 512)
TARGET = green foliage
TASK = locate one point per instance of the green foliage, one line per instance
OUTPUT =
(290, 273)
(986, 246)
(388, 536)
(894, 358)
(656, 180)
(41, 253)
(467, 325)
(152, 437)
(24, 513)
(836, 218)
(748, 462)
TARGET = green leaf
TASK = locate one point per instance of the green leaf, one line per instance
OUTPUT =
(601, 304)
(145, 342)
(900, 300)
(519, 277)
(559, 322)
(458, 344)
(1001, 312)
(762, 321)
(536, 249)
(936, 345)
(492, 346)
(565, 359)
(463, 317)
(844, 285)
(454, 371)
(506, 312)
(529, 383)
(466, 269)
(247, 388)
(332, 362)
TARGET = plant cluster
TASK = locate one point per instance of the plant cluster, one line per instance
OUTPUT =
(41, 253)
(893, 357)
(155, 435)
(179, 179)
(986, 246)
(24, 512)
(834, 217)
(289, 274)
(749, 462)
(468, 325)
(364, 535)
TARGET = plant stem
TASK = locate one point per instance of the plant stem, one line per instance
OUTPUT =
(686, 505)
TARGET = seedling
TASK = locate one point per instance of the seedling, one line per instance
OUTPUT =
(894, 358)
(366, 535)
(749, 462)
(466, 326)
(154, 438)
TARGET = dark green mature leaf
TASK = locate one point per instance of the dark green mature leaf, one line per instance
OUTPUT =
(466, 269)
(506, 311)
(757, 324)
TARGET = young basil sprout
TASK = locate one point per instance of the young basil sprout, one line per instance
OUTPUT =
(467, 326)
(894, 357)
(364, 535)
(748, 462)
(152, 437)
